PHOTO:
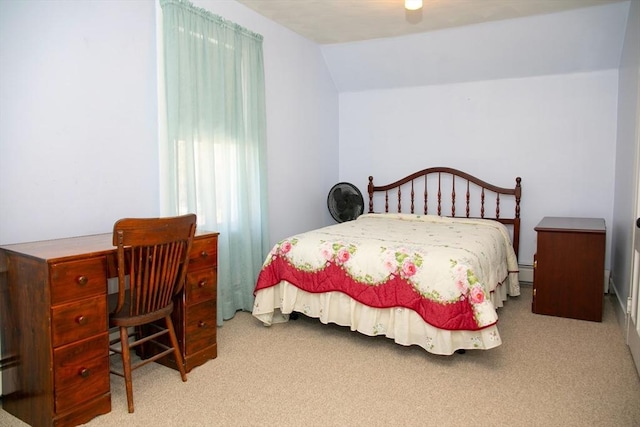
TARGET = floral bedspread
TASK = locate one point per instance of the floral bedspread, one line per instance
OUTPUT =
(442, 268)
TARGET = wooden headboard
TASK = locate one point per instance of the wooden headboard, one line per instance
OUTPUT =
(429, 185)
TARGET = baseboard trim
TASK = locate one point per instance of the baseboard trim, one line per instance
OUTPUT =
(620, 309)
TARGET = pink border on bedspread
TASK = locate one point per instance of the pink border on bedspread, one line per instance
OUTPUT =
(396, 292)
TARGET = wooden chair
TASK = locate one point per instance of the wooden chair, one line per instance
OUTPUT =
(152, 255)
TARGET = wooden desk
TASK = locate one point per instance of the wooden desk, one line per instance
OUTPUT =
(54, 319)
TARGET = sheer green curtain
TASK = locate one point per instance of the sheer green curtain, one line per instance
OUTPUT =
(213, 162)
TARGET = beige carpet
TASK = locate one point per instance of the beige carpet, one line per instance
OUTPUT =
(548, 372)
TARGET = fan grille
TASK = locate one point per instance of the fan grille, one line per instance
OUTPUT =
(345, 202)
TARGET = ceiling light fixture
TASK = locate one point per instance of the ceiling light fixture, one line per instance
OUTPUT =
(413, 4)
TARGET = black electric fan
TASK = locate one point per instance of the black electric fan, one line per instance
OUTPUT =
(345, 202)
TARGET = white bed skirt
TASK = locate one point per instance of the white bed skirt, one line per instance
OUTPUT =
(404, 326)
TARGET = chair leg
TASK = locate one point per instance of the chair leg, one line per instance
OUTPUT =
(176, 349)
(126, 366)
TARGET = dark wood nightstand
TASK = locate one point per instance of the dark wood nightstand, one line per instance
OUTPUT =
(568, 271)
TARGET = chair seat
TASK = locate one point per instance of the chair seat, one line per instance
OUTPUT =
(123, 319)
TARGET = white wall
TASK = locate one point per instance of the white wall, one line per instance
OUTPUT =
(556, 132)
(78, 132)
(627, 149)
(77, 117)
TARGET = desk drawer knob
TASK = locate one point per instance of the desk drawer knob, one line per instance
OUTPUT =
(204, 254)
(202, 324)
(81, 320)
(83, 280)
(202, 283)
(84, 372)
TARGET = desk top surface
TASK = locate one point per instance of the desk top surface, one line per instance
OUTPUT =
(91, 245)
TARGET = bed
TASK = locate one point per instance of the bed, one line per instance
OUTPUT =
(429, 264)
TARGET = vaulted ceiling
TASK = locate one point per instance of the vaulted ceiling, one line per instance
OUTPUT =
(375, 44)
(341, 21)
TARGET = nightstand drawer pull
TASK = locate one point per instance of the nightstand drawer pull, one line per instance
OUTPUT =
(82, 280)
(81, 320)
(84, 372)
(202, 324)
(204, 254)
(202, 283)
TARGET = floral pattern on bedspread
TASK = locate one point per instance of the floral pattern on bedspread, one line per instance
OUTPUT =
(442, 268)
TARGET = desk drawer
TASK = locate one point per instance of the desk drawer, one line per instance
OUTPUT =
(75, 364)
(81, 388)
(78, 320)
(204, 253)
(201, 286)
(75, 280)
(201, 326)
